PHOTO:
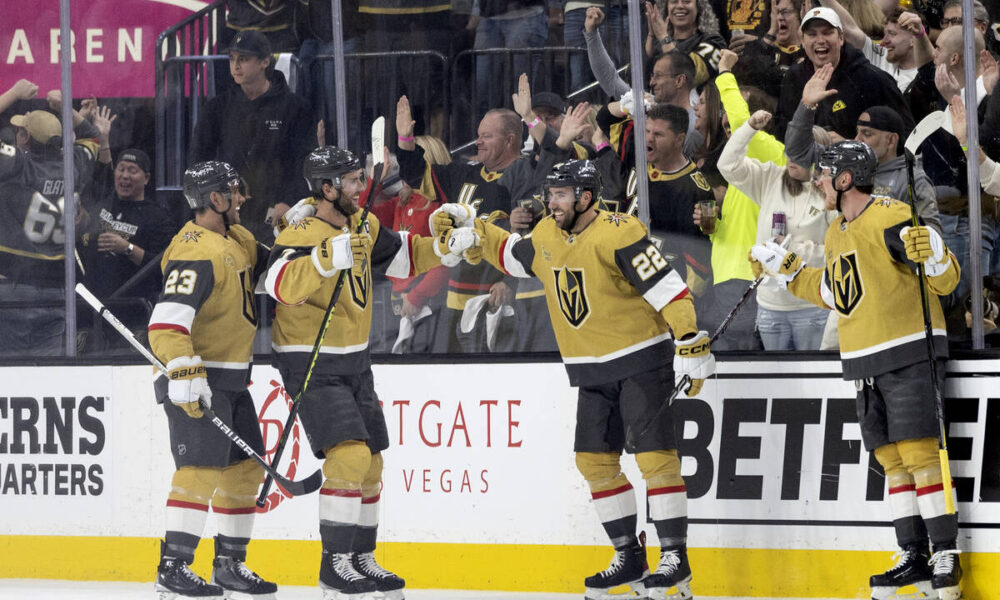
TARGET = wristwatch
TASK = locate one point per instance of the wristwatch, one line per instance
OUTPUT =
(130, 250)
(666, 40)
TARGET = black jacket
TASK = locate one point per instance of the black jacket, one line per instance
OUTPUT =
(859, 85)
(265, 140)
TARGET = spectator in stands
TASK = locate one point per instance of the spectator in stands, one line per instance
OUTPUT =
(867, 14)
(745, 20)
(675, 187)
(788, 199)
(904, 48)
(121, 233)
(551, 109)
(690, 27)
(613, 28)
(881, 128)
(857, 83)
(261, 129)
(274, 19)
(315, 27)
(782, 39)
(513, 24)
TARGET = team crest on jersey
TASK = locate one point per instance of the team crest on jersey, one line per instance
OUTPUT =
(360, 285)
(848, 289)
(191, 236)
(616, 219)
(572, 295)
(700, 181)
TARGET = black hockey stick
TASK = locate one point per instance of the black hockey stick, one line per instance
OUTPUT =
(296, 488)
(378, 154)
(927, 126)
(685, 379)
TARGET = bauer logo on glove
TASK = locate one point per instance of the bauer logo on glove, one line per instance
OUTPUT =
(188, 372)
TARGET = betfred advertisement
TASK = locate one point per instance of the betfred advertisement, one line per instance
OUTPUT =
(113, 43)
(58, 444)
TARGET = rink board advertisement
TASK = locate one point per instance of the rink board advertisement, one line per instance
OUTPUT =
(481, 470)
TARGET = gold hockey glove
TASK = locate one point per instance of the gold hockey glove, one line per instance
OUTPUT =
(924, 244)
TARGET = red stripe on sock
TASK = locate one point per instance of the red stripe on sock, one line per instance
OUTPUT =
(249, 510)
(614, 492)
(676, 489)
(191, 505)
(371, 500)
(340, 493)
(899, 489)
(937, 487)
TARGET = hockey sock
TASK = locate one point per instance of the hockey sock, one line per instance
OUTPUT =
(234, 505)
(906, 519)
(666, 495)
(367, 531)
(921, 459)
(187, 509)
(613, 496)
(340, 497)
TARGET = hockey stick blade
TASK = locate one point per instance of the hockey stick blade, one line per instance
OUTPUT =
(296, 488)
(923, 130)
(378, 156)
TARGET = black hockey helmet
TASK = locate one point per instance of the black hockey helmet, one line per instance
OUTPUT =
(328, 163)
(581, 174)
(203, 178)
(850, 155)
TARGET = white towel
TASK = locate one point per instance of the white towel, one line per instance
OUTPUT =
(407, 325)
(471, 312)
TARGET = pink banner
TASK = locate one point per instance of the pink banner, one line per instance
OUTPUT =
(113, 43)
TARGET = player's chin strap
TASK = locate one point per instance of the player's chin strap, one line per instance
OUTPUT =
(225, 213)
(841, 192)
(336, 203)
(576, 213)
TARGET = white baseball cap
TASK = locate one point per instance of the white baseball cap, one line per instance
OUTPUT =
(823, 14)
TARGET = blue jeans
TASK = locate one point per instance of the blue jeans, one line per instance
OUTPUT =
(515, 34)
(34, 329)
(955, 231)
(791, 329)
(614, 33)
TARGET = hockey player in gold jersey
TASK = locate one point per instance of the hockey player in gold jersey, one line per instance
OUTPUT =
(615, 304)
(339, 409)
(871, 280)
(202, 329)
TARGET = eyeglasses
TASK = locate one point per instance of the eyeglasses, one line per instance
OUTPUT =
(950, 22)
(787, 12)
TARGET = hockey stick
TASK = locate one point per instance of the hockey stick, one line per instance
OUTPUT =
(685, 379)
(378, 154)
(949, 500)
(296, 488)
(923, 130)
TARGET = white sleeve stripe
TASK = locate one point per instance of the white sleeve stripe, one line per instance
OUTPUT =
(172, 313)
(826, 294)
(665, 290)
(401, 264)
(509, 261)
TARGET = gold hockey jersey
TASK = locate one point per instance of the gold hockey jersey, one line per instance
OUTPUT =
(876, 292)
(606, 288)
(206, 306)
(303, 294)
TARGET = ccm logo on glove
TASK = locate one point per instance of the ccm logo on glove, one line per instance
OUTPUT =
(693, 350)
(188, 372)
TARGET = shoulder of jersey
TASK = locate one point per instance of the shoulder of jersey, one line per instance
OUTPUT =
(196, 243)
(241, 234)
(307, 232)
(890, 208)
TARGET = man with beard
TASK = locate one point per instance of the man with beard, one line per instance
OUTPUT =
(597, 266)
(856, 84)
(340, 410)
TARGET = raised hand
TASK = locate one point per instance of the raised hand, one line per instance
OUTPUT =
(573, 124)
(728, 60)
(657, 24)
(522, 99)
(759, 119)
(988, 66)
(593, 20)
(957, 109)
(815, 90)
(404, 122)
(24, 90)
(103, 120)
(945, 82)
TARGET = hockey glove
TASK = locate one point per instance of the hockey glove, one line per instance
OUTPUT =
(361, 247)
(755, 266)
(693, 358)
(303, 209)
(188, 384)
(924, 244)
(451, 215)
(627, 102)
(777, 262)
(453, 243)
(333, 254)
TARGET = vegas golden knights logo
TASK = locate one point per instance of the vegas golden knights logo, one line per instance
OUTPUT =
(360, 285)
(572, 295)
(847, 287)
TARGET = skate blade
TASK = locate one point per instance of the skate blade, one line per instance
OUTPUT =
(231, 595)
(916, 591)
(331, 594)
(682, 591)
(634, 590)
(163, 593)
(950, 593)
(393, 595)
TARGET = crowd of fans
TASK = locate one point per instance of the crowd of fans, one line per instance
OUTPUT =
(741, 99)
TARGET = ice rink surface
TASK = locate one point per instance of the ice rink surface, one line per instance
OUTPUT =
(36, 589)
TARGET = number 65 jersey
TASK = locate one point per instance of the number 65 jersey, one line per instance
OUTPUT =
(609, 291)
(206, 307)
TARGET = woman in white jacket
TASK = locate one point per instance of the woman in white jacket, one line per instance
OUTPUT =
(784, 321)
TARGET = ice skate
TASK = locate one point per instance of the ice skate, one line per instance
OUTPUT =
(240, 583)
(339, 580)
(176, 581)
(911, 569)
(947, 574)
(673, 573)
(388, 583)
(623, 577)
